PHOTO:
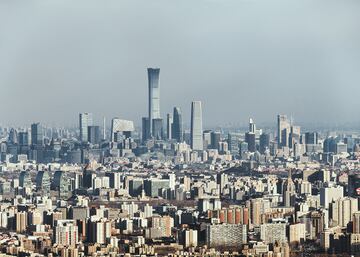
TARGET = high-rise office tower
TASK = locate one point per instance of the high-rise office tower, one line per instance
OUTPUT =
(157, 128)
(252, 126)
(283, 130)
(61, 183)
(145, 129)
(43, 182)
(121, 129)
(13, 136)
(234, 141)
(25, 179)
(207, 138)
(177, 128)
(154, 95)
(85, 120)
(169, 124)
(37, 135)
(23, 138)
(104, 128)
(264, 142)
(215, 139)
(250, 138)
(311, 138)
(294, 136)
(196, 126)
(94, 134)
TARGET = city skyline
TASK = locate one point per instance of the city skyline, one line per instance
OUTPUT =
(180, 128)
(212, 56)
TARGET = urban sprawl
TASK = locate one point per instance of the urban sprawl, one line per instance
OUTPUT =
(167, 190)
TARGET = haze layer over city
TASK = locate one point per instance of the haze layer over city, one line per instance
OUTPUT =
(179, 128)
(241, 58)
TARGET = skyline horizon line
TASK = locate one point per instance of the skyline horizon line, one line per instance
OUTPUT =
(98, 121)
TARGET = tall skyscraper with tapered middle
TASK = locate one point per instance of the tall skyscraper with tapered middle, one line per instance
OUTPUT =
(154, 95)
(196, 126)
(177, 127)
(85, 120)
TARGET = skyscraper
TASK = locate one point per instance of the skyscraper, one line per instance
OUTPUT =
(61, 184)
(23, 138)
(196, 126)
(157, 128)
(177, 129)
(104, 128)
(43, 182)
(215, 139)
(283, 130)
(311, 138)
(94, 134)
(121, 129)
(250, 138)
(37, 135)
(169, 124)
(264, 142)
(85, 120)
(294, 136)
(145, 129)
(252, 126)
(154, 95)
(234, 141)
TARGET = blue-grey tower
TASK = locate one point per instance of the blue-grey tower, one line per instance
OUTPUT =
(37, 135)
(177, 126)
(154, 95)
(196, 137)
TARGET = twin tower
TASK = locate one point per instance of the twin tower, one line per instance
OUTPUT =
(152, 126)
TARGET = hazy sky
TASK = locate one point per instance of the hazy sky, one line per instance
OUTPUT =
(242, 58)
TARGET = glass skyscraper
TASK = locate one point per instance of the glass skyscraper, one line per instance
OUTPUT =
(85, 120)
(177, 127)
(169, 125)
(37, 135)
(154, 95)
(43, 182)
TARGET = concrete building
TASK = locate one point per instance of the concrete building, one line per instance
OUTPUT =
(273, 232)
(226, 235)
(66, 233)
(329, 194)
